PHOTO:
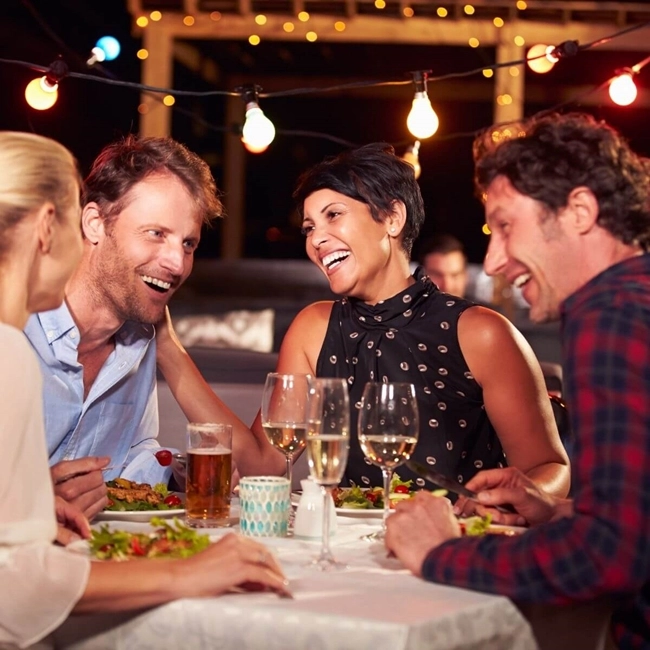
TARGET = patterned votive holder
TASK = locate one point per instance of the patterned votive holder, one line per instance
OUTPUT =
(265, 505)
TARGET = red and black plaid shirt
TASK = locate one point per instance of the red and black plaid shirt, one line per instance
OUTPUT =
(605, 548)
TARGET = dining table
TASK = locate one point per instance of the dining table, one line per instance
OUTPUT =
(374, 603)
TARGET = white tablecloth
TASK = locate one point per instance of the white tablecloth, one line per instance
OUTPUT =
(373, 604)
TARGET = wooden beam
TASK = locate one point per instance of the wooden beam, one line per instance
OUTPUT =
(156, 71)
(382, 29)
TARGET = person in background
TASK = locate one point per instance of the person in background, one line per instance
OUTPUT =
(444, 261)
(40, 244)
(568, 205)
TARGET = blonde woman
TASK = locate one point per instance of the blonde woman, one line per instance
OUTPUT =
(40, 244)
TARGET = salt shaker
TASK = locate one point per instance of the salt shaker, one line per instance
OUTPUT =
(309, 515)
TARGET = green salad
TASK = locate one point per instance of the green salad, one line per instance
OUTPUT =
(173, 539)
(356, 497)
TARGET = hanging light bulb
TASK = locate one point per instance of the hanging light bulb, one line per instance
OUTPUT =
(422, 121)
(110, 45)
(412, 157)
(541, 58)
(41, 93)
(258, 131)
(622, 89)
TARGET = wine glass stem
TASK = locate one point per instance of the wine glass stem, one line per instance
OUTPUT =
(325, 553)
(388, 475)
(289, 465)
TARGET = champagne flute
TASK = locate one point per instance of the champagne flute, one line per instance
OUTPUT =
(284, 413)
(388, 432)
(328, 443)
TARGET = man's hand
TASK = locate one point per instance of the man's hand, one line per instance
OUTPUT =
(511, 485)
(81, 483)
(72, 524)
(417, 526)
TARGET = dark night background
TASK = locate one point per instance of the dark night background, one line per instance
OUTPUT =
(88, 115)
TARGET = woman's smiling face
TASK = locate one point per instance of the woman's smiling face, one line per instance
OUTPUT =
(347, 244)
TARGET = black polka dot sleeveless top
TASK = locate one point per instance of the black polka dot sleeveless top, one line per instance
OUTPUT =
(413, 337)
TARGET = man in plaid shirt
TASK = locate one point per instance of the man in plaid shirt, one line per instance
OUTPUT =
(568, 204)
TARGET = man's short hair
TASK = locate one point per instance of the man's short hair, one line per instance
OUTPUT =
(557, 153)
(442, 244)
(123, 164)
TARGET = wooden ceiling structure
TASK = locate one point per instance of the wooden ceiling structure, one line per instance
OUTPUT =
(545, 21)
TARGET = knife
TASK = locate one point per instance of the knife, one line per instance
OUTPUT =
(450, 484)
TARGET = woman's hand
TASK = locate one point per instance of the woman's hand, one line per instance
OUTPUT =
(233, 562)
(72, 524)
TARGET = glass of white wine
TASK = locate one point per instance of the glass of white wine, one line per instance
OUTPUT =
(328, 443)
(284, 413)
(388, 432)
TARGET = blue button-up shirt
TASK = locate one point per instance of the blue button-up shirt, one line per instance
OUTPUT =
(119, 417)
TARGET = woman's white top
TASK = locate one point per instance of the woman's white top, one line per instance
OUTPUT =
(39, 582)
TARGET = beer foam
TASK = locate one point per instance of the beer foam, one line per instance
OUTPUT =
(218, 451)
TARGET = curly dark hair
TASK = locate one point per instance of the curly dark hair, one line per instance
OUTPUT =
(557, 153)
(123, 164)
(373, 175)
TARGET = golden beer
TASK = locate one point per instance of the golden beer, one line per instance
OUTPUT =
(209, 474)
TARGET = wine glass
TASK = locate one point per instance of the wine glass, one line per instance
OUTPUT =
(388, 432)
(328, 443)
(284, 413)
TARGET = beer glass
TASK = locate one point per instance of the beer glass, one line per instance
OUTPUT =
(209, 472)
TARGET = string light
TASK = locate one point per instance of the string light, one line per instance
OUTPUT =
(622, 88)
(540, 58)
(107, 48)
(41, 93)
(422, 121)
(258, 131)
(412, 157)
(49, 84)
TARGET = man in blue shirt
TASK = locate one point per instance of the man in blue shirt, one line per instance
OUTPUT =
(144, 203)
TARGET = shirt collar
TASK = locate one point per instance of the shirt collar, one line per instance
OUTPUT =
(58, 322)
(639, 264)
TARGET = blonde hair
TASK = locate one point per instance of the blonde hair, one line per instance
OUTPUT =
(35, 170)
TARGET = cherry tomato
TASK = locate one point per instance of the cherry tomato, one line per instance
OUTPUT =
(173, 500)
(371, 496)
(401, 489)
(137, 548)
(164, 457)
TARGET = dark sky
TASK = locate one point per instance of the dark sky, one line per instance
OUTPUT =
(88, 115)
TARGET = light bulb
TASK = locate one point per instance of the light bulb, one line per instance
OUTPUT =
(258, 131)
(540, 58)
(622, 90)
(412, 157)
(40, 94)
(422, 121)
(97, 54)
(110, 45)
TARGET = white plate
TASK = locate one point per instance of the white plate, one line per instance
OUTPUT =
(346, 512)
(360, 512)
(138, 515)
